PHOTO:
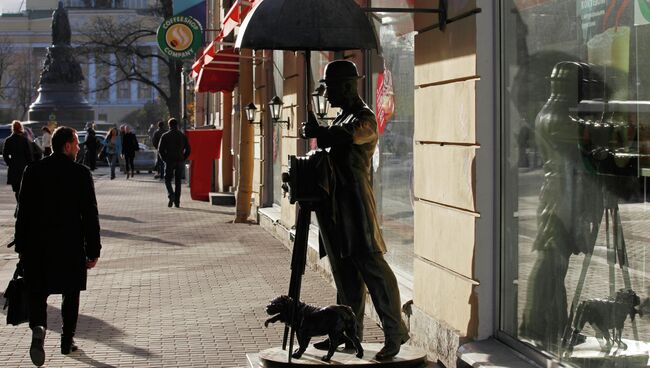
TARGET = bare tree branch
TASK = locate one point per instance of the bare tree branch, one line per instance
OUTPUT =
(119, 44)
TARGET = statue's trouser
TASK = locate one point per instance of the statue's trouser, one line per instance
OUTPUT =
(545, 314)
(353, 274)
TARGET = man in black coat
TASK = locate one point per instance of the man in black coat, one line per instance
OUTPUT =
(90, 152)
(57, 236)
(17, 154)
(174, 149)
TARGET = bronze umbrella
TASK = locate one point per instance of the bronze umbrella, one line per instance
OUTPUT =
(307, 25)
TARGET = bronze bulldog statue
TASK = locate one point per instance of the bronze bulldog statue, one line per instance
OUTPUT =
(338, 322)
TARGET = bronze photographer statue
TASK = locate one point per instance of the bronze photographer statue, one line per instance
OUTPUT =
(350, 232)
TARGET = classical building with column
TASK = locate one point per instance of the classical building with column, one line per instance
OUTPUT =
(28, 34)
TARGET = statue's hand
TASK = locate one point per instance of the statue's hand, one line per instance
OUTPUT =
(309, 130)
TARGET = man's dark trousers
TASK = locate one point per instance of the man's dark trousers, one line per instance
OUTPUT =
(69, 311)
(174, 170)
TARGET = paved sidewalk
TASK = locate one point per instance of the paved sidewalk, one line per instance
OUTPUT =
(174, 287)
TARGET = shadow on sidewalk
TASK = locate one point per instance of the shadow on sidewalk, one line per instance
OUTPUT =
(205, 211)
(81, 356)
(90, 328)
(134, 237)
(120, 218)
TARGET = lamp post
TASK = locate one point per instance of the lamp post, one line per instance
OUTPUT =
(183, 99)
(185, 83)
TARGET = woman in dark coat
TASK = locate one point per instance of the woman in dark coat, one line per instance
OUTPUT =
(17, 154)
(129, 146)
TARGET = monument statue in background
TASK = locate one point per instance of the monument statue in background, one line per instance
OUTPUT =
(61, 97)
(60, 63)
(60, 26)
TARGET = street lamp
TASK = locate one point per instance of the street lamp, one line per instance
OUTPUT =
(250, 110)
(318, 97)
(275, 105)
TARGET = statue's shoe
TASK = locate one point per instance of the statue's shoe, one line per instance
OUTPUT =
(391, 348)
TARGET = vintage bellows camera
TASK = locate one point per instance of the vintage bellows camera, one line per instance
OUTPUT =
(308, 177)
(614, 135)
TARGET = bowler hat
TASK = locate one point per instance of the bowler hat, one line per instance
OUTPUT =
(340, 70)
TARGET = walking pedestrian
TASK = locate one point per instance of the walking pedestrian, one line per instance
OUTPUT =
(90, 153)
(160, 165)
(57, 237)
(17, 154)
(174, 149)
(129, 147)
(47, 141)
(151, 131)
(348, 225)
(113, 146)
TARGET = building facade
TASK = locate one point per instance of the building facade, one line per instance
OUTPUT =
(27, 34)
(509, 175)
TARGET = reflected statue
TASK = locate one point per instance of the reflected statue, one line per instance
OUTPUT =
(570, 211)
(61, 33)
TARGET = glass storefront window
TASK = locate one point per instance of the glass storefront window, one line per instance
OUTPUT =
(392, 101)
(576, 156)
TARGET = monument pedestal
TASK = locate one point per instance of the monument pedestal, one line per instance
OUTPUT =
(63, 103)
(408, 357)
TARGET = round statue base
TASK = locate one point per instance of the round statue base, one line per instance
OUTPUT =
(408, 357)
(591, 354)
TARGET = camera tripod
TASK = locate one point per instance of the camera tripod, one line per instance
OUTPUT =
(616, 254)
(298, 262)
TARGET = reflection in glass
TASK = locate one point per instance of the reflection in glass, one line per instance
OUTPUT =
(393, 161)
(576, 222)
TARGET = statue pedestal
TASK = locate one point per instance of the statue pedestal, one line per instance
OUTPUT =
(408, 357)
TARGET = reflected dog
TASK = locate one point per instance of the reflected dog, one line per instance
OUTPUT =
(338, 322)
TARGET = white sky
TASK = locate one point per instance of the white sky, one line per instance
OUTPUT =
(10, 6)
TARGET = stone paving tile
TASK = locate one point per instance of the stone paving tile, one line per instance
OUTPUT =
(174, 287)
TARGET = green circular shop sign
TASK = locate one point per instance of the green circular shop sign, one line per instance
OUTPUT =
(180, 36)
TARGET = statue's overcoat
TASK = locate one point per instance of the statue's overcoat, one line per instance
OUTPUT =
(351, 140)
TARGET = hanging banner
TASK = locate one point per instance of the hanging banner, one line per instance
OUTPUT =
(191, 8)
(385, 99)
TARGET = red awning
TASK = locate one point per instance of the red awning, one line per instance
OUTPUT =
(232, 19)
(220, 73)
(235, 15)
(224, 64)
